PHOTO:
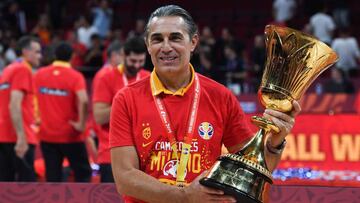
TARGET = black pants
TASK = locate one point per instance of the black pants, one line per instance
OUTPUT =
(106, 175)
(12, 168)
(76, 153)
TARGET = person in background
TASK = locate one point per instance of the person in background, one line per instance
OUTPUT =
(106, 85)
(63, 104)
(18, 113)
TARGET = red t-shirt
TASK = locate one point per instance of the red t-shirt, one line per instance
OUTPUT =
(107, 82)
(17, 76)
(136, 122)
(56, 87)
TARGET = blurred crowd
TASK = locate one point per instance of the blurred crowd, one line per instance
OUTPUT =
(225, 57)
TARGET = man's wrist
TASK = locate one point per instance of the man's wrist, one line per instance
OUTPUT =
(275, 149)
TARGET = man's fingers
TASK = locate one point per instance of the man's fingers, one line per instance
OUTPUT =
(296, 110)
(222, 198)
(211, 190)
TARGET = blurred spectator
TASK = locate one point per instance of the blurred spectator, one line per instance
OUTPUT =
(347, 48)
(322, 26)
(341, 13)
(43, 29)
(259, 57)
(10, 53)
(339, 83)
(139, 29)
(102, 18)
(206, 65)
(284, 10)
(233, 69)
(79, 50)
(15, 19)
(63, 104)
(207, 42)
(227, 37)
(93, 57)
(85, 30)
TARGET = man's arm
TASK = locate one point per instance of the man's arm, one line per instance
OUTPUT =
(135, 183)
(102, 112)
(16, 98)
(285, 122)
(82, 103)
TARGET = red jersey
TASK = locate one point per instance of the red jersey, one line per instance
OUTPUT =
(107, 82)
(56, 87)
(135, 121)
(17, 76)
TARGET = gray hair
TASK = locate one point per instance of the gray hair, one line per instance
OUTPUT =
(173, 10)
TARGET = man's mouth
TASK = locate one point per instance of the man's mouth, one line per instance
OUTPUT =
(168, 58)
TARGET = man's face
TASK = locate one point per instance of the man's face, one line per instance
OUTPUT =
(32, 54)
(169, 44)
(134, 62)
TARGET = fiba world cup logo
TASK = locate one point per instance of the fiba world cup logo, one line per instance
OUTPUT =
(206, 130)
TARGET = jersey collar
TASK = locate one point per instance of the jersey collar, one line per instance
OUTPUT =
(63, 64)
(157, 87)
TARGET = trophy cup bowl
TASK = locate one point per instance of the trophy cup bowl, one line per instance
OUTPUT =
(294, 60)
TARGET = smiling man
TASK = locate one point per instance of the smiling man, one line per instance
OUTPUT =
(167, 129)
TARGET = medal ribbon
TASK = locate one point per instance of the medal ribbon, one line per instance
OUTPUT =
(185, 152)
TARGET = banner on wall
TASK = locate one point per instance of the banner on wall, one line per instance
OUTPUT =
(324, 142)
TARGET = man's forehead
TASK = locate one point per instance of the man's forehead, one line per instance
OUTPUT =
(167, 24)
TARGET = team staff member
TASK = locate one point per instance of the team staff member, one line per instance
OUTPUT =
(17, 136)
(105, 88)
(63, 103)
(115, 57)
(177, 110)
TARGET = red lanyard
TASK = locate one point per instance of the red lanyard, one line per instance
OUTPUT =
(185, 152)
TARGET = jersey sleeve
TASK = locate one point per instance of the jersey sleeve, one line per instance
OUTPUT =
(80, 83)
(236, 129)
(120, 133)
(22, 80)
(102, 90)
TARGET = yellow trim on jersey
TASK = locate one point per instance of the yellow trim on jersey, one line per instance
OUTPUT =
(157, 87)
(121, 68)
(61, 64)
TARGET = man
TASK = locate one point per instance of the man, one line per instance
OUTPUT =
(177, 110)
(63, 103)
(17, 136)
(106, 85)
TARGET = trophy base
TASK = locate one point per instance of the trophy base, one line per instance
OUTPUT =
(239, 195)
(238, 179)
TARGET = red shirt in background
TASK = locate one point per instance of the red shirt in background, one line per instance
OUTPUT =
(56, 87)
(17, 76)
(107, 82)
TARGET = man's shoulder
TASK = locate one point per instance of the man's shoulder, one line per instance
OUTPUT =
(211, 85)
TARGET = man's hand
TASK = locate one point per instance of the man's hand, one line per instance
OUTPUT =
(196, 192)
(285, 122)
(21, 148)
(79, 126)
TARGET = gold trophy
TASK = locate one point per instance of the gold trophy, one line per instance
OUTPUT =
(294, 60)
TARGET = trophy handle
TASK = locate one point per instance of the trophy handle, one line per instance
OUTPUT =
(264, 123)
